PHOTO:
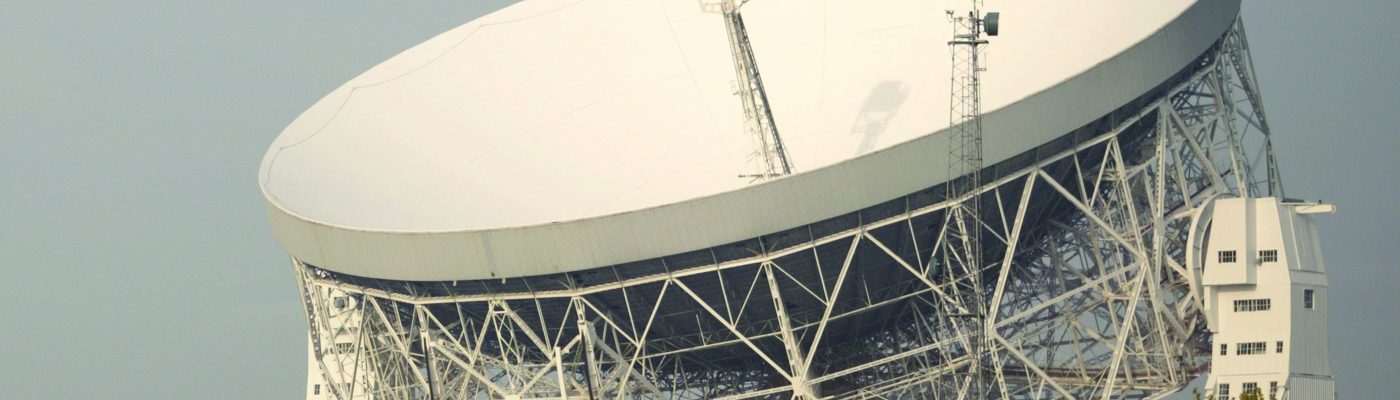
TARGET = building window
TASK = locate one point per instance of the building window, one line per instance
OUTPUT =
(1227, 256)
(316, 389)
(1278, 348)
(1268, 256)
(1273, 390)
(1308, 299)
(1222, 391)
(1252, 305)
(1249, 388)
(1223, 348)
(1250, 348)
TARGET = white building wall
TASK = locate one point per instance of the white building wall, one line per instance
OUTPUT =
(1294, 353)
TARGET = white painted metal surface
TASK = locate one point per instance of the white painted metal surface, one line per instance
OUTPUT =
(1094, 295)
(1265, 287)
(538, 139)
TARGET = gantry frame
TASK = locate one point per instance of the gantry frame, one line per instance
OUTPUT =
(1089, 293)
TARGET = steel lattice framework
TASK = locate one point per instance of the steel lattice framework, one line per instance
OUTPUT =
(768, 154)
(1088, 292)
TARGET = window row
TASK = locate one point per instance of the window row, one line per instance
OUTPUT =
(1229, 256)
(1250, 348)
(1268, 255)
(1248, 305)
(1222, 391)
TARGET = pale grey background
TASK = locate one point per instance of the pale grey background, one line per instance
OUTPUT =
(136, 258)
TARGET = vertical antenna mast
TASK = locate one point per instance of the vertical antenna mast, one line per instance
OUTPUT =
(768, 153)
(962, 240)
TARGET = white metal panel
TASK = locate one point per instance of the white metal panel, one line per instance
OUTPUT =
(369, 202)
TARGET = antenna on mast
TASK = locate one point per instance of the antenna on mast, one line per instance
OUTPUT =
(962, 249)
(768, 155)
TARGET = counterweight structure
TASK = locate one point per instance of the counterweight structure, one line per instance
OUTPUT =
(1091, 290)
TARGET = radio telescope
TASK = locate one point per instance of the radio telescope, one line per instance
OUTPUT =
(543, 203)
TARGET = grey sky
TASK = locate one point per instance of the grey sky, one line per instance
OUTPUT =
(136, 255)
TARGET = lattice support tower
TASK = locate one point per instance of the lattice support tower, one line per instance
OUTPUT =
(962, 250)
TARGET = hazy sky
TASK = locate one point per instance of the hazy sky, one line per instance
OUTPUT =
(137, 260)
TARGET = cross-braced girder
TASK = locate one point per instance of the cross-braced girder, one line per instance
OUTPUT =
(1082, 260)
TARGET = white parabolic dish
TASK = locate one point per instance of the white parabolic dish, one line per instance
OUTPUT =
(554, 135)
